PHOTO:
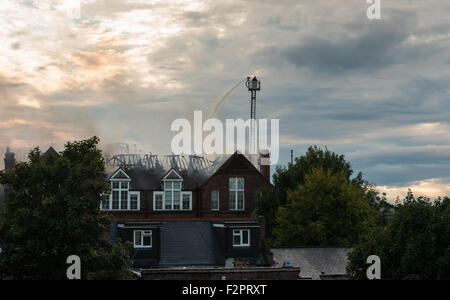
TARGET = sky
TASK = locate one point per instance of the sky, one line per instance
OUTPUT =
(374, 90)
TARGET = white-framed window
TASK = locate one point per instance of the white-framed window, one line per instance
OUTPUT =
(106, 202)
(186, 200)
(215, 203)
(237, 194)
(142, 239)
(158, 201)
(134, 201)
(121, 198)
(241, 238)
(172, 199)
(172, 195)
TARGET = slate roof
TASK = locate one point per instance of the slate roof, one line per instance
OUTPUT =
(188, 244)
(314, 262)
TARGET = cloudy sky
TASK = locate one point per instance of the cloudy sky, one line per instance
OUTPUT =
(376, 91)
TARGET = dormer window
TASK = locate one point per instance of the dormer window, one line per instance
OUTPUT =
(172, 195)
(172, 198)
(121, 198)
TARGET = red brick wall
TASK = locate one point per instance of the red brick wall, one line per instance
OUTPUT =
(236, 166)
(252, 183)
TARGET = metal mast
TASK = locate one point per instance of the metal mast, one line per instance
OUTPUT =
(253, 85)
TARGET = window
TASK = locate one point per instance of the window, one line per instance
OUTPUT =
(120, 195)
(106, 202)
(241, 238)
(187, 200)
(121, 198)
(172, 198)
(215, 200)
(115, 200)
(236, 193)
(134, 201)
(142, 239)
(172, 190)
(158, 200)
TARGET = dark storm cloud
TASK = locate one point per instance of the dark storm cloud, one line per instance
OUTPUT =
(374, 47)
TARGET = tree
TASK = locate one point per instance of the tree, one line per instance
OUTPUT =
(326, 210)
(53, 212)
(286, 179)
(415, 245)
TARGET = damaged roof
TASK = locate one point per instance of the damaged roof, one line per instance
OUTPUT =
(144, 179)
(151, 179)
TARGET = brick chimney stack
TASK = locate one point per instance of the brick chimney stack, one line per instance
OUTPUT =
(10, 160)
(264, 164)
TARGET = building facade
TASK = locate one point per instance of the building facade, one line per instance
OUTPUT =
(177, 218)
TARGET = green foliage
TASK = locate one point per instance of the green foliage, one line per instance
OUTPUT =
(288, 179)
(53, 212)
(326, 210)
(111, 262)
(415, 245)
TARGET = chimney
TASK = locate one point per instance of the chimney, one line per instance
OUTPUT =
(10, 160)
(264, 164)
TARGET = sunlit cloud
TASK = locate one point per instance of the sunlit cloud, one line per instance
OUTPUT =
(124, 70)
(432, 188)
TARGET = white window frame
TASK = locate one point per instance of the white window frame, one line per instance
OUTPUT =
(120, 190)
(141, 245)
(172, 190)
(218, 201)
(134, 193)
(240, 233)
(104, 196)
(190, 201)
(235, 190)
(154, 201)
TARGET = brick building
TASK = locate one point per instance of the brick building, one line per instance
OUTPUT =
(179, 218)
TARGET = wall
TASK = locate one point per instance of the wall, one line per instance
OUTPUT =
(143, 257)
(201, 202)
(253, 184)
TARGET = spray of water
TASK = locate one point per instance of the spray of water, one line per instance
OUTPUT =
(225, 97)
